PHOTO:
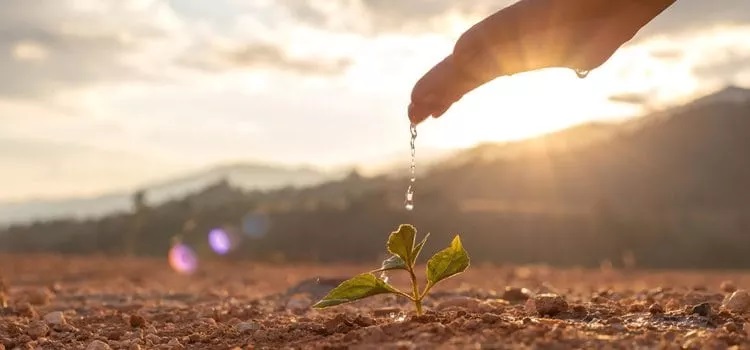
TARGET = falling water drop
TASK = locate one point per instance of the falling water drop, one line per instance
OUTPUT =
(384, 277)
(409, 202)
(581, 73)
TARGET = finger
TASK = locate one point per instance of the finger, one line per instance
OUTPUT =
(437, 90)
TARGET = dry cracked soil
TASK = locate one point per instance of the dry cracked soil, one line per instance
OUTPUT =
(61, 302)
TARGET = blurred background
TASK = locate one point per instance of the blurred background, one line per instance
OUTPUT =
(277, 131)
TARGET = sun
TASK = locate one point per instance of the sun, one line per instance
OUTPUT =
(523, 106)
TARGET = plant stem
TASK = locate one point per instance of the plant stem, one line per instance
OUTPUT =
(426, 290)
(415, 288)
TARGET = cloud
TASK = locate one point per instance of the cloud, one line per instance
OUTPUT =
(57, 45)
(258, 55)
(688, 15)
(55, 169)
(725, 70)
(375, 17)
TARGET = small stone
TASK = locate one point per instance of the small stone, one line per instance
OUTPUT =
(656, 309)
(244, 327)
(746, 328)
(728, 287)
(384, 312)
(55, 318)
(175, 344)
(98, 345)
(490, 318)
(299, 303)
(636, 307)
(405, 345)
(37, 329)
(492, 306)
(2, 347)
(514, 294)
(137, 321)
(731, 327)
(134, 346)
(472, 324)
(470, 304)
(39, 297)
(373, 335)
(549, 304)
(702, 309)
(26, 310)
(738, 302)
(153, 339)
(364, 321)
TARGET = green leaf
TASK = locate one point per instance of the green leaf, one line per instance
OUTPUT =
(401, 243)
(418, 248)
(393, 263)
(447, 262)
(358, 287)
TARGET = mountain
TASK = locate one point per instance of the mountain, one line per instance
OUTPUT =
(688, 158)
(244, 176)
(668, 190)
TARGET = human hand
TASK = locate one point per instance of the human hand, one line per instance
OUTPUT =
(531, 35)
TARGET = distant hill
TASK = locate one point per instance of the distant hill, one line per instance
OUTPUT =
(244, 176)
(668, 190)
(693, 156)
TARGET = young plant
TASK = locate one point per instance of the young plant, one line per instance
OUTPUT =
(402, 244)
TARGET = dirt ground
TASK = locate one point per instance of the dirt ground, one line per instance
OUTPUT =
(56, 302)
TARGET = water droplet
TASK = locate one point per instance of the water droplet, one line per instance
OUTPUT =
(384, 277)
(409, 202)
(400, 317)
(581, 73)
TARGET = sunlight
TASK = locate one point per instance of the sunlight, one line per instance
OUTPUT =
(523, 106)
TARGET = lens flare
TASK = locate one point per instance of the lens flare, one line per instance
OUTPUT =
(220, 241)
(182, 259)
(255, 225)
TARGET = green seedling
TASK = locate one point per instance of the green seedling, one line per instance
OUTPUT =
(405, 249)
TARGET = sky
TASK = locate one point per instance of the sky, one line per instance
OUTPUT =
(102, 95)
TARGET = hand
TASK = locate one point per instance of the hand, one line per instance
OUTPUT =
(531, 35)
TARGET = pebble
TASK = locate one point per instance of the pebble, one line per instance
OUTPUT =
(514, 294)
(549, 304)
(703, 309)
(39, 296)
(37, 329)
(472, 324)
(175, 344)
(470, 304)
(490, 318)
(728, 287)
(98, 345)
(55, 318)
(738, 302)
(405, 345)
(137, 321)
(656, 309)
(373, 334)
(299, 303)
(246, 327)
(386, 311)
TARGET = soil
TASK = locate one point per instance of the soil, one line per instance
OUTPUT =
(59, 302)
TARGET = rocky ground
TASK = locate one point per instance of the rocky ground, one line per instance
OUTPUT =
(55, 302)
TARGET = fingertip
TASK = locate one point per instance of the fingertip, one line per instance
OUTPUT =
(416, 114)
